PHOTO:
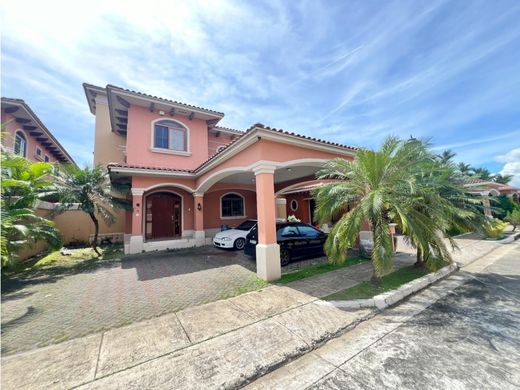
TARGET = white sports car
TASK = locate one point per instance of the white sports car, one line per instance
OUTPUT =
(234, 238)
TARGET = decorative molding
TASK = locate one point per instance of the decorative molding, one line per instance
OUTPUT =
(101, 99)
(138, 191)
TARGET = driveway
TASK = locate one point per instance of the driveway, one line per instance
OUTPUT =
(47, 308)
(43, 309)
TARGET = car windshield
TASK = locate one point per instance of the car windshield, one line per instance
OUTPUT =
(247, 225)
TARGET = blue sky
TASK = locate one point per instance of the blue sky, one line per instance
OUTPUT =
(348, 71)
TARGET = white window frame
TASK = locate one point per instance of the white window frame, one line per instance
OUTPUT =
(155, 122)
(291, 205)
(19, 133)
(244, 214)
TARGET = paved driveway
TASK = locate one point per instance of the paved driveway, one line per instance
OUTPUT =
(45, 309)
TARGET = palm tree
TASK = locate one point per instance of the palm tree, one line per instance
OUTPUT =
(443, 198)
(502, 179)
(483, 174)
(403, 183)
(380, 187)
(23, 183)
(447, 156)
(92, 191)
(465, 169)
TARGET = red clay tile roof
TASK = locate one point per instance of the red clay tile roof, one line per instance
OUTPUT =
(165, 100)
(133, 166)
(40, 124)
(281, 131)
(255, 126)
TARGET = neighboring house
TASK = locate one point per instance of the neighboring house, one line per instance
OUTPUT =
(27, 136)
(487, 189)
(190, 176)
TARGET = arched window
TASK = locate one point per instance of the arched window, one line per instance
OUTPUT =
(232, 206)
(20, 144)
(170, 135)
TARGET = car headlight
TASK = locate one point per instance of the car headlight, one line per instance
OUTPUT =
(226, 239)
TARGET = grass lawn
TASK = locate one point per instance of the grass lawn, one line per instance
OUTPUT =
(79, 255)
(368, 290)
(318, 269)
(55, 262)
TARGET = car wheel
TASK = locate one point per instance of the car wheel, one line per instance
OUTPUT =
(285, 257)
(240, 243)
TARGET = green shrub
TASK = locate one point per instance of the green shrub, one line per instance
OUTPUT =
(513, 218)
(494, 228)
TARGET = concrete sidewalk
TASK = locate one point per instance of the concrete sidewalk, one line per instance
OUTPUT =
(223, 344)
(395, 351)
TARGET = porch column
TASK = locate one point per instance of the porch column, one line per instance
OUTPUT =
(136, 239)
(198, 214)
(267, 250)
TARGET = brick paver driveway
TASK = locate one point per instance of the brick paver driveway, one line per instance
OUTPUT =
(45, 309)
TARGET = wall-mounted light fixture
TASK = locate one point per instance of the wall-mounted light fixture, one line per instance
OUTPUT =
(199, 206)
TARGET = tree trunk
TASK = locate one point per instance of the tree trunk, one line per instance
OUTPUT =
(96, 233)
(419, 263)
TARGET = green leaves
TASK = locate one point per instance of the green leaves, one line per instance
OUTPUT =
(405, 183)
(24, 182)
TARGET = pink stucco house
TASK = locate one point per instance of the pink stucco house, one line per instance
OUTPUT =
(189, 176)
(27, 136)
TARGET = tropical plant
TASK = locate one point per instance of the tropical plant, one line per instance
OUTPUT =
(513, 218)
(483, 174)
(447, 156)
(402, 182)
(91, 190)
(502, 179)
(494, 228)
(23, 183)
(501, 205)
(465, 169)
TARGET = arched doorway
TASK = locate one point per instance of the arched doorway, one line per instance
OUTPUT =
(163, 218)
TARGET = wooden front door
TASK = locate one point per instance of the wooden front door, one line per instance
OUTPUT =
(163, 216)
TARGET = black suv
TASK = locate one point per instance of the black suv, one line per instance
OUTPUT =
(296, 239)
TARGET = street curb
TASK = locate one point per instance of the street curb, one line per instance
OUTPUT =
(382, 301)
(510, 239)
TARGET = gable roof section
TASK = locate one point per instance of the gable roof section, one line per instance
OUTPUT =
(252, 135)
(120, 99)
(30, 122)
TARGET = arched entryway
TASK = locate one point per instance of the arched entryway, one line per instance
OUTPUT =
(163, 216)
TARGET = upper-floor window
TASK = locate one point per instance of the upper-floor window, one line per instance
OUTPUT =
(232, 206)
(20, 144)
(38, 152)
(170, 135)
(47, 159)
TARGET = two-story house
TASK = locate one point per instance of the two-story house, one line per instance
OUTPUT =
(26, 135)
(190, 176)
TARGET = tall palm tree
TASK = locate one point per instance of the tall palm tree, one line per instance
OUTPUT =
(483, 173)
(92, 191)
(502, 179)
(447, 156)
(23, 183)
(465, 169)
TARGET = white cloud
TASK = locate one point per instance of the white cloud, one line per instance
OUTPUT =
(512, 165)
(350, 72)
